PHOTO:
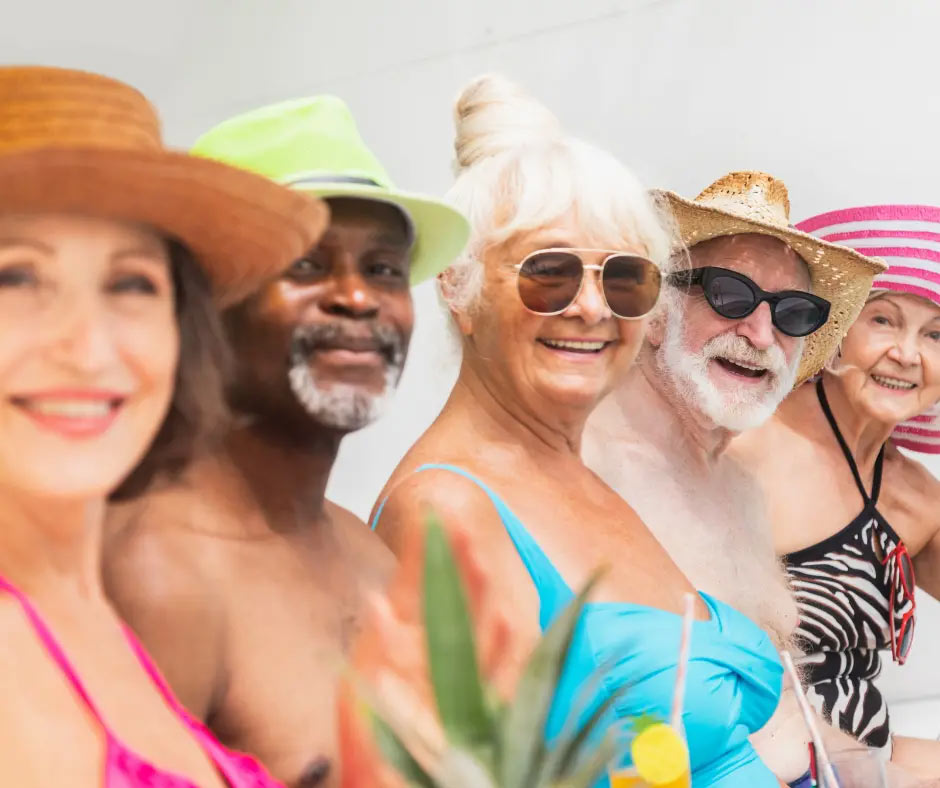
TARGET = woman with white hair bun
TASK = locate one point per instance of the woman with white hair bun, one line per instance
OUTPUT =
(550, 300)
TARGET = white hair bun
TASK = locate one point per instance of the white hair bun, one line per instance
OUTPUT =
(494, 115)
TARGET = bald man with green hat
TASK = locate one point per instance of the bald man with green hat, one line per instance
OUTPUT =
(243, 581)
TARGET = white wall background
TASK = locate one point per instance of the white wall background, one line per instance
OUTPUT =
(837, 97)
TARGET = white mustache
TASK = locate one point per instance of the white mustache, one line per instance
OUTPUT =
(737, 349)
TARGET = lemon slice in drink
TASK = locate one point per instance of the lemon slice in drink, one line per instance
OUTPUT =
(659, 755)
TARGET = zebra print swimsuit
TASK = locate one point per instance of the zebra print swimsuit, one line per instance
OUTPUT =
(842, 587)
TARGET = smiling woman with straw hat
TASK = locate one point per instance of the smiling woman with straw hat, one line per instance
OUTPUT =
(111, 360)
(854, 516)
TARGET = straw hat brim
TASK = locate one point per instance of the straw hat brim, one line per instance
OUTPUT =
(242, 228)
(441, 232)
(840, 275)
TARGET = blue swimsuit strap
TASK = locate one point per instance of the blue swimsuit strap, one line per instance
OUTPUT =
(554, 593)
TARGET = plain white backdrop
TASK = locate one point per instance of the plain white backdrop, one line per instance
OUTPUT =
(836, 97)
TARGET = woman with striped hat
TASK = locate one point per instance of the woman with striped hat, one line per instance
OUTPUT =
(853, 515)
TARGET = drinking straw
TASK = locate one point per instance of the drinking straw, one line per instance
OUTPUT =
(685, 642)
(829, 775)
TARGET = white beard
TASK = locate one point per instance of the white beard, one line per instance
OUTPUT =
(342, 406)
(738, 409)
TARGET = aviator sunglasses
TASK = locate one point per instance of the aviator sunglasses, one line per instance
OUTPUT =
(550, 281)
(735, 296)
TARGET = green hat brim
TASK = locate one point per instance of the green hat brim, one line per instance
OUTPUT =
(441, 232)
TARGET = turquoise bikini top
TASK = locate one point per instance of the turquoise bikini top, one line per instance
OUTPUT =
(734, 675)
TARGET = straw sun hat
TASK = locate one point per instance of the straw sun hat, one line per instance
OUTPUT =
(75, 142)
(754, 202)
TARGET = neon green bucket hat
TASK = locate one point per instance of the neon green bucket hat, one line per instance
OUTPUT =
(313, 145)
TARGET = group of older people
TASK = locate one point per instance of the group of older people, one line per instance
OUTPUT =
(695, 393)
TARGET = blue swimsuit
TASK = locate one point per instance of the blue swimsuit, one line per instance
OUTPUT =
(734, 675)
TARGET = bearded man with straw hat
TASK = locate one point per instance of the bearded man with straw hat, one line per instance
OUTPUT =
(760, 308)
(246, 583)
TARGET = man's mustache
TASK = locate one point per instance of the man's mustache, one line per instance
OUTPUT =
(735, 348)
(383, 339)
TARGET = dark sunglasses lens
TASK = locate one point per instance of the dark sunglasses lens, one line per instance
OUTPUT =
(798, 316)
(549, 281)
(729, 297)
(907, 572)
(906, 638)
(631, 285)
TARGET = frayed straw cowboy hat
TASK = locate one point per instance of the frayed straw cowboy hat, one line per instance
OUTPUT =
(755, 202)
(76, 142)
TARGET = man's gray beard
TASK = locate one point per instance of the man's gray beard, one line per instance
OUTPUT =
(342, 406)
(737, 410)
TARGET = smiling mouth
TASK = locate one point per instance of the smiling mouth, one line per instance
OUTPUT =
(895, 384)
(350, 350)
(741, 368)
(71, 417)
(69, 409)
(576, 345)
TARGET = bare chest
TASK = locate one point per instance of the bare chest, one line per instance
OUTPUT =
(50, 734)
(809, 507)
(716, 529)
(290, 624)
(582, 525)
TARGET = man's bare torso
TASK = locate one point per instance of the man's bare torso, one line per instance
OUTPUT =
(715, 527)
(275, 611)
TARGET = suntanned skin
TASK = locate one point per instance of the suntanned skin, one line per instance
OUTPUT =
(896, 336)
(245, 583)
(87, 306)
(653, 447)
(514, 419)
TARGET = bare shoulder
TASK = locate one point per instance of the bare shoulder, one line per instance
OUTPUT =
(162, 573)
(778, 442)
(456, 499)
(910, 496)
(370, 556)
(908, 471)
(159, 550)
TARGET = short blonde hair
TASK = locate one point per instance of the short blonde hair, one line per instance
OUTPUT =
(518, 171)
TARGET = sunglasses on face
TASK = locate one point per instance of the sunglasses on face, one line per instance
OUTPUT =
(902, 590)
(734, 296)
(550, 280)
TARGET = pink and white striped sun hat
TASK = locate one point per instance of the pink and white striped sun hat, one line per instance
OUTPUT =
(907, 237)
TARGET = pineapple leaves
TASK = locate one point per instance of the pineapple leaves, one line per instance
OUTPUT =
(594, 766)
(522, 745)
(574, 751)
(398, 756)
(455, 676)
(491, 742)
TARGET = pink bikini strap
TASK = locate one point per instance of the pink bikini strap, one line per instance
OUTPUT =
(53, 648)
(202, 733)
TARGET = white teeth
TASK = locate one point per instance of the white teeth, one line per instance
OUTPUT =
(745, 365)
(893, 383)
(72, 409)
(568, 344)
